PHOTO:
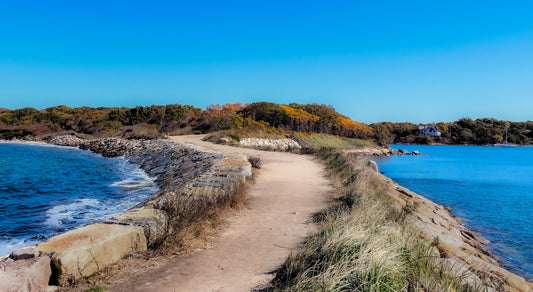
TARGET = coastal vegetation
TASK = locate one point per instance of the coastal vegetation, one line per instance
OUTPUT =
(157, 121)
(366, 243)
(237, 120)
(484, 131)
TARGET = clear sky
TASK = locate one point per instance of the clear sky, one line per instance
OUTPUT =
(416, 61)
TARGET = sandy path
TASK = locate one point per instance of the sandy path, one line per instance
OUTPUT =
(288, 189)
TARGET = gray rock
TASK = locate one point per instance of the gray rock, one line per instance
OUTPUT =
(25, 275)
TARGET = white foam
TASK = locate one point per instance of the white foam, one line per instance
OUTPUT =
(57, 214)
(136, 177)
(9, 246)
(133, 184)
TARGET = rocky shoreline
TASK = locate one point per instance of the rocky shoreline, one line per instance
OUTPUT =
(460, 248)
(190, 180)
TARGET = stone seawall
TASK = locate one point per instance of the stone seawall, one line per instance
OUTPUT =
(190, 180)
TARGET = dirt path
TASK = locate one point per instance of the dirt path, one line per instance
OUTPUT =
(288, 189)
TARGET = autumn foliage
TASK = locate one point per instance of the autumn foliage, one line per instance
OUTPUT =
(156, 120)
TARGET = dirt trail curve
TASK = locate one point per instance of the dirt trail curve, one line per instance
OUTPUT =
(288, 189)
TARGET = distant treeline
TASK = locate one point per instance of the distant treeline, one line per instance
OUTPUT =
(484, 131)
(155, 121)
(148, 122)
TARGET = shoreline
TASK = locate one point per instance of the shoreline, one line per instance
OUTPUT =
(487, 249)
(449, 235)
(501, 246)
(186, 176)
(477, 145)
(437, 223)
(490, 250)
(136, 178)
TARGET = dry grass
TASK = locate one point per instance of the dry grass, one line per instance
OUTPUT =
(365, 244)
(255, 161)
(335, 142)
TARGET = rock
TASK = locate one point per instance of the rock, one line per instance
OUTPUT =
(373, 165)
(84, 251)
(275, 144)
(153, 221)
(416, 152)
(25, 275)
(223, 140)
(190, 182)
(464, 249)
(24, 253)
(66, 140)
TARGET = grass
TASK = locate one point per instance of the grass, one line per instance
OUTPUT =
(365, 243)
(335, 142)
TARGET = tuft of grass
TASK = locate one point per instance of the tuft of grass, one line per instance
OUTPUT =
(255, 161)
(365, 244)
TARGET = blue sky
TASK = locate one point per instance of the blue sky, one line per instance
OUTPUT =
(416, 61)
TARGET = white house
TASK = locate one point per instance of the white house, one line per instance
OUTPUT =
(428, 130)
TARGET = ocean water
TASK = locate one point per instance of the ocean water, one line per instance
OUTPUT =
(491, 188)
(47, 190)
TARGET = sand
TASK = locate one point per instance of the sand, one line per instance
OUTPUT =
(288, 190)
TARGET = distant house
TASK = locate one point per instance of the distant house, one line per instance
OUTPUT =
(428, 130)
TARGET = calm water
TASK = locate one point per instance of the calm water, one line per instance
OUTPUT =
(47, 190)
(491, 188)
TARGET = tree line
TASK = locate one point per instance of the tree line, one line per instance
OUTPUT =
(155, 121)
(148, 122)
(485, 131)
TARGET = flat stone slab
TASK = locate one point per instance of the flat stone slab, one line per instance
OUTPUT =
(153, 221)
(82, 252)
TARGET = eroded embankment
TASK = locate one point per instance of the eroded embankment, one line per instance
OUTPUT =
(191, 183)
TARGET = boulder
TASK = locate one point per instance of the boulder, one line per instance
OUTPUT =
(25, 275)
(153, 221)
(84, 251)
(416, 152)
(373, 165)
(25, 253)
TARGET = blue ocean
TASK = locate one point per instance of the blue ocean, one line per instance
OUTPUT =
(47, 190)
(491, 188)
